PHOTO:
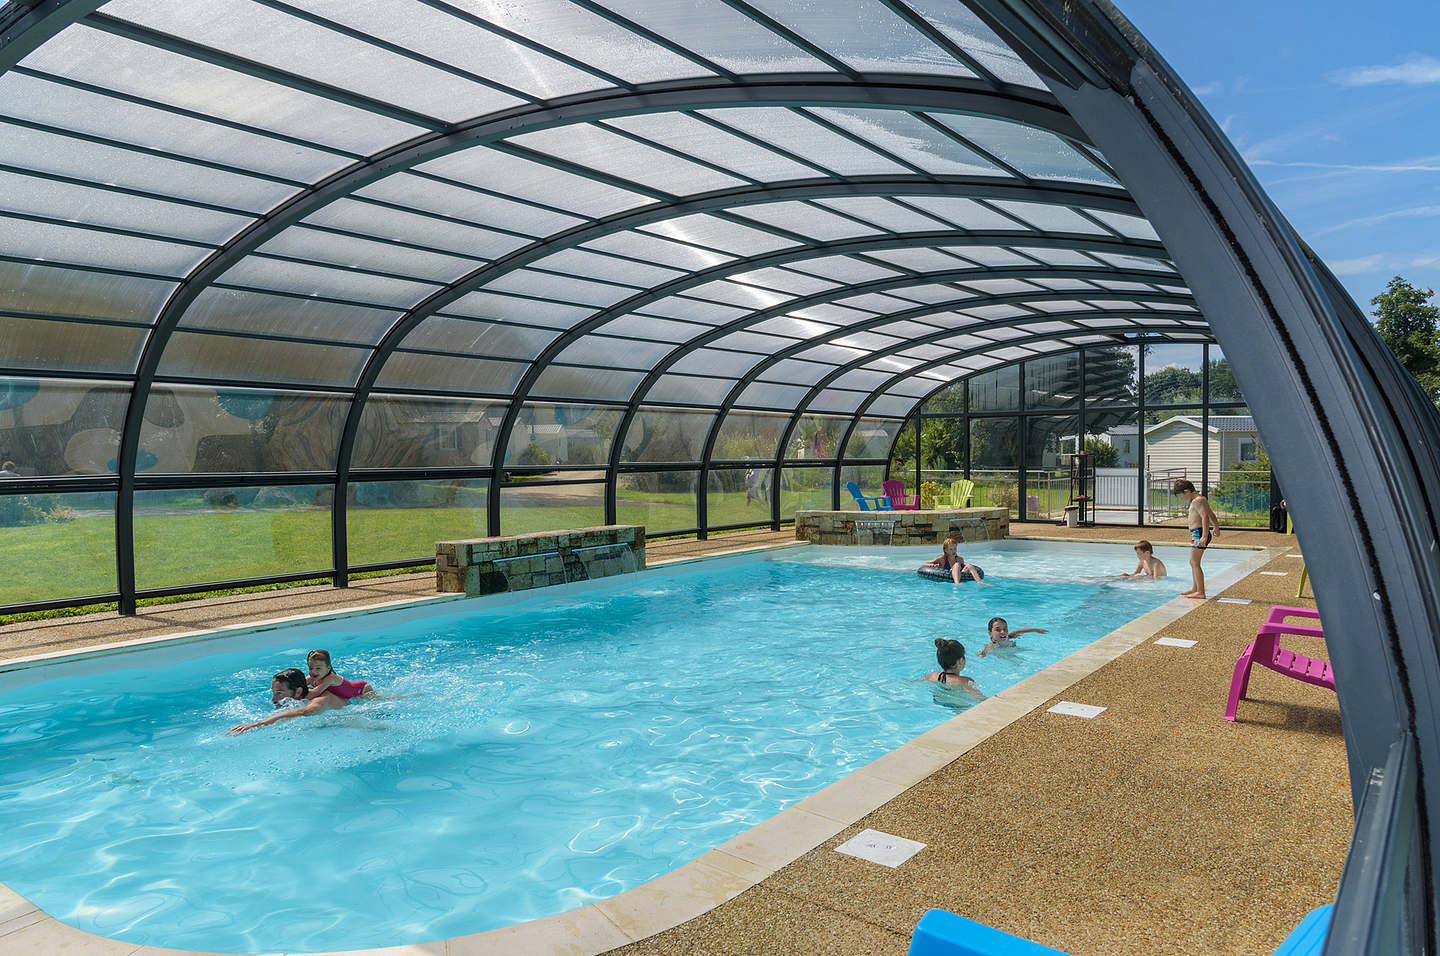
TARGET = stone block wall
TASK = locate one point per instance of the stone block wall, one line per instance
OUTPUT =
(909, 527)
(520, 562)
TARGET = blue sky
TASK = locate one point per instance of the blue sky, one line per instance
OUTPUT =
(1336, 107)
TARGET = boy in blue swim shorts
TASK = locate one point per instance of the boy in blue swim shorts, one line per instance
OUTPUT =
(1203, 529)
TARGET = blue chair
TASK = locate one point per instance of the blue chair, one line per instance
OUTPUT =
(944, 934)
(881, 502)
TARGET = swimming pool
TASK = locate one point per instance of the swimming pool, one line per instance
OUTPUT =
(510, 702)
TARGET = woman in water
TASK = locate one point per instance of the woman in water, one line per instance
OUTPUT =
(950, 655)
(959, 568)
(289, 684)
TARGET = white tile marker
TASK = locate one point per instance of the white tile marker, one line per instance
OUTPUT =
(1233, 600)
(1176, 642)
(1077, 710)
(880, 848)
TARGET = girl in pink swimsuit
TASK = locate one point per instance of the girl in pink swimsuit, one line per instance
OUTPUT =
(324, 680)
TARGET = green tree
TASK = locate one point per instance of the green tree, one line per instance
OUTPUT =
(1407, 322)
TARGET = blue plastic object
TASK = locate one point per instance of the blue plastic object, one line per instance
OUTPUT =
(944, 934)
(1307, 938)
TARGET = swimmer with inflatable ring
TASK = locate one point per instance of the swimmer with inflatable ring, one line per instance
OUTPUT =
(950, 655)
(951, 565)
(1002, 636)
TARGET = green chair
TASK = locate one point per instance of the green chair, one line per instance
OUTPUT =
(958, 495)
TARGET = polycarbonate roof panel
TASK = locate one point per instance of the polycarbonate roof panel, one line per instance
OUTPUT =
(771, 395)
(794, 327)
(469, 205)
(975, 38)
(487, 305)
(910, 139)
(888, 215)
(276, 275)
(449, 373)
(547, 285)
(793, 370)
(806, 138)
(431, 232)
(36, 196)
(869, 38)
(91, 247)
(622, 158)
(722, 35)
(488, 339)
(844, 269)
(587, 37)
(51, 290)
(68, 108)
(715, 233)
(648, 248)
(1050, 218)
(837, 400)
(51, 346)
(340, 249)
(234, 310)
(567, 381)
(716, 362)
(513, 176)
(111, 62)
(302, 47)
(647, 327)
(810, 222)
(276, 361)
(601, 350)
(690, 390)
(158, 176)
(709, 143)
(1035, 153)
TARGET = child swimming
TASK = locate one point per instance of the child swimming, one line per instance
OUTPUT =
(290, 684)
(1002, 636)
(324, 680)
(950, 655)
(1149, 565)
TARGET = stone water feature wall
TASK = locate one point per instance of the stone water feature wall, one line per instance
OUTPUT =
(520, 562)
(904, 527)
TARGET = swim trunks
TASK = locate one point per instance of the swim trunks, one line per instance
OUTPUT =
(1195, 535)
(348, 689)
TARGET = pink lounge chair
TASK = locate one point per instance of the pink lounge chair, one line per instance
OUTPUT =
(1266, 652)
(894, 489)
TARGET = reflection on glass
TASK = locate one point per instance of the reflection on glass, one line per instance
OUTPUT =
(192, 430)
(994, 461)
(548, 434)
(56, 546)
(1049, 443)
(399, 520)
(1112, 376)
(658, 434)
(872, 438)
(1223, 387)
(209, 535)
(942, 447)
(739, 496)
(995, 391)
(805, 489)
(660, 501)
(749, 435)
(401, 432)
(527, 508)
(1173, 375)
(902, 456)
(817, 436)
(55, 427)
(1053, 382)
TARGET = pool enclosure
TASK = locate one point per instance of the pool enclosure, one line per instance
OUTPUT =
(294, 289)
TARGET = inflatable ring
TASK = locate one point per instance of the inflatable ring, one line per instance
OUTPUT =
(933, 572)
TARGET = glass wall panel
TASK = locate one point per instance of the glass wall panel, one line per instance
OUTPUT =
(1112, 376)
(57, 546)
(995, 391)
(739, 496)
(188, 429)
(1223, 387)
(400, 520)
(872, 438)
(69, 346)
(749, 435)
(805, 489)
(547, 434)
(866, 477)
(817, 436)
(1173, 380)
(526, 508)
(947, 401)
(659, 434)
(400, 432)
(942, 450)
(1053, 382)
(208, 535)
(902, 456)
(994, 461)
(661, 501)
(1047, 476)
(58, 427)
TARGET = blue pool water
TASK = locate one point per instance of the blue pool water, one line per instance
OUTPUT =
(553, 753)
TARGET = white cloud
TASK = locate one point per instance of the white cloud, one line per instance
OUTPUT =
(1209, 89)
(1412, 212)
(1353, 267)
(1416, 71)
(1416, 167)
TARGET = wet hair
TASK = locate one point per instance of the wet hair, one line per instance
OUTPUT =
(1001, 620)
(292, 678)
(1181, 485)
(950, 542)
(1145, 546)
(319, 656)
(948, 653)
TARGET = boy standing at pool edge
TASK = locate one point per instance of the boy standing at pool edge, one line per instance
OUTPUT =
(1203, 529)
